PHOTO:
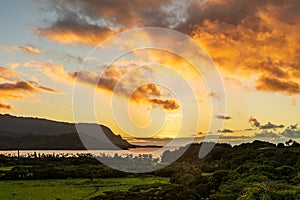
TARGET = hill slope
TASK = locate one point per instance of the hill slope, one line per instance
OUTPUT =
(34, 133)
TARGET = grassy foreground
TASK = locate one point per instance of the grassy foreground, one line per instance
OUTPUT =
(69, 188)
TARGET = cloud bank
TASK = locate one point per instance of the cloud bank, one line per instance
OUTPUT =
(250, 40)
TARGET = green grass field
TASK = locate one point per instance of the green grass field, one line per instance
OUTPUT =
(6, 168)
(69, 188)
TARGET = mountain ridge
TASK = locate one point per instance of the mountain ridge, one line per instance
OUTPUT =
(39, 133)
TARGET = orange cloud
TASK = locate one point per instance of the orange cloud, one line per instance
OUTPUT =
(14, 65)
(249, 40)
(71, 32)
(7, 74)
(238, 83)
(27, 49)
(260, 46)
(166, 104)
(90, 22)
(111, 76)
(11, 88)
(18, 89)
(146, 92)
(43, 88)
(17, 86)
(4, 106)
(48, 68)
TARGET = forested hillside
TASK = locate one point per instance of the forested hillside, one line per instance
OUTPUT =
(258, 170)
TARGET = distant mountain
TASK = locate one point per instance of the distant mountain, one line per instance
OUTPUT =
(35, 133)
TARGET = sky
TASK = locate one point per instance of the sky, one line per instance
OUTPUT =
(48, 49)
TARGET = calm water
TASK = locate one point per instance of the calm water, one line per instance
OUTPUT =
(155, 152)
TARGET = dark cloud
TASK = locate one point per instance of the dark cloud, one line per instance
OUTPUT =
(223, 117)
(291, 132)
(225, 131)
(90, 22)
(293, 126)
(254, 122)
(268, 125)
(270, 84)
(126, 14)
(200, 133)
